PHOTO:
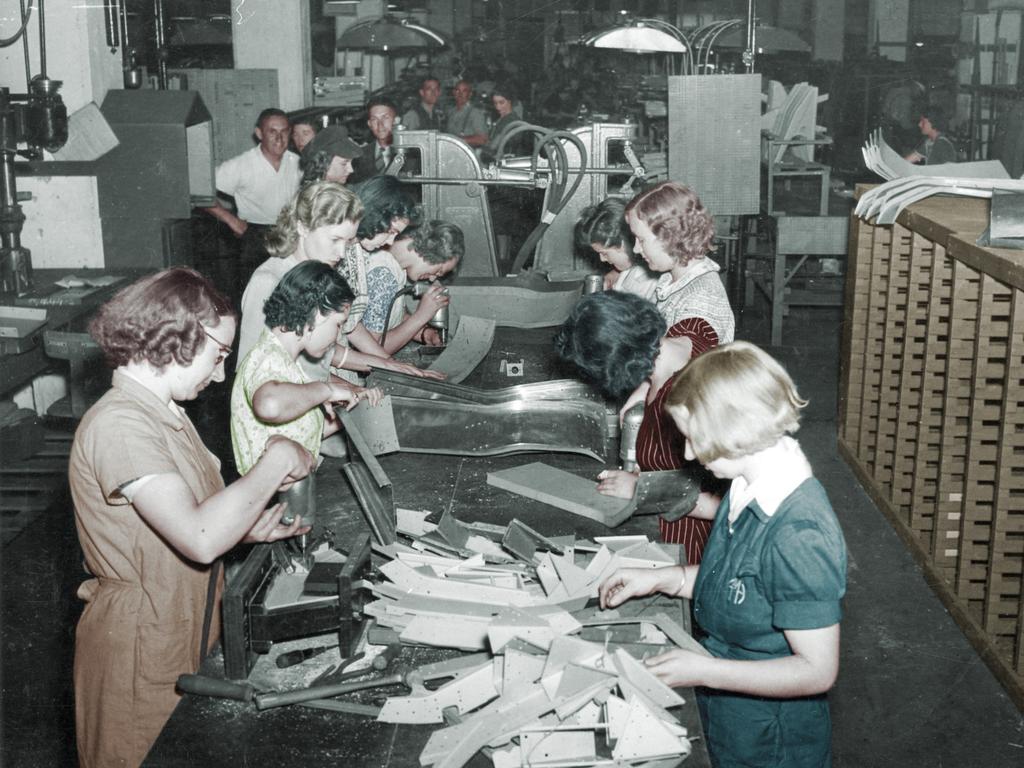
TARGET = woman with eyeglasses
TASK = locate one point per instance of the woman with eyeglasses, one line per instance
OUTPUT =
(153, 513)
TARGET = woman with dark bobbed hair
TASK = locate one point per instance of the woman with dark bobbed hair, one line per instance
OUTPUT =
(152, 511)
(504, 99)
(387, 211)
(602, 228)
(620, 343)
(271, 394)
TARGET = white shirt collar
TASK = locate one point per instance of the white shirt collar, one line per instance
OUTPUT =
(786, 470)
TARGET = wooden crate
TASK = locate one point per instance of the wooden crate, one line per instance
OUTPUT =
(932, 410)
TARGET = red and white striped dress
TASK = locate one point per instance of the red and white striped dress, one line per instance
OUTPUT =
(659, 446)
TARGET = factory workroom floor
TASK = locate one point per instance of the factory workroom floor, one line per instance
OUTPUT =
(911, 690)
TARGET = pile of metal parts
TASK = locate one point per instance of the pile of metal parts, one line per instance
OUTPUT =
(552, 682)
(908, 183)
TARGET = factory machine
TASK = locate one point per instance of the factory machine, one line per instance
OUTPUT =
(575, 169)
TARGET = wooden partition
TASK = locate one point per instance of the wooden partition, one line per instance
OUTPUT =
(932, 409)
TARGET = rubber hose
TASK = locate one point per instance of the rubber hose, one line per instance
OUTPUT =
(559, 197)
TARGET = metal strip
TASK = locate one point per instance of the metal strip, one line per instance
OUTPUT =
(414, 386)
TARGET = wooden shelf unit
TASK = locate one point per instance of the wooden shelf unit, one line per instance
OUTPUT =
(932, 410)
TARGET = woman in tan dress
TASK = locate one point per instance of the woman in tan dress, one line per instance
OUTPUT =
(152, 511)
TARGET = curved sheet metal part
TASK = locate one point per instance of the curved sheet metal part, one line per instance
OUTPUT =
(466, 349)
(429, 389)
(471, 429)
(524, 301)
(462, 428)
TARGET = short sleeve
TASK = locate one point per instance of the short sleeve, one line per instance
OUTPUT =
(381, 287)
(268, 367)
(228, 175)
(699, 332)
(477, 122)
(411, 120)
(806, 576)
(128, 445)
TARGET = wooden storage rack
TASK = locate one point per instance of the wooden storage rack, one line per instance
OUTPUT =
(932, 410)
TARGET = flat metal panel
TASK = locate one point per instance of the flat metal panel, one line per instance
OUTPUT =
(714, 126)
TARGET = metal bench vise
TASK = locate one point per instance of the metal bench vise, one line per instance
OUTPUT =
(251, 628)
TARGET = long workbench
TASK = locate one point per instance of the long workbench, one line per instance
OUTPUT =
(210, 732)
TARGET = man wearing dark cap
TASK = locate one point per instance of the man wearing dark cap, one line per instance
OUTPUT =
(329, 156)
(936, 147)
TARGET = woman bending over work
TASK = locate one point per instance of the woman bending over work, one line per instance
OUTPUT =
(272, 395)
(619, 342)
(152, 511)
(767, 593)
(602, 228)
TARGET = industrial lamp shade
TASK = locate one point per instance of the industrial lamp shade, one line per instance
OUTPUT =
(637, 37)
(388, 35)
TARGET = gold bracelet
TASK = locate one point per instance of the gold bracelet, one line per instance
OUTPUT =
(682, 583)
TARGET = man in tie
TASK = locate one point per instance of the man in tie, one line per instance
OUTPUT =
(377, 154)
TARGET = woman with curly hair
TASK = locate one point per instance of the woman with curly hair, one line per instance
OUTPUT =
(317, 225)
(620, 343)
(674, 233)
(153, 513)
(272, 395)
(320, 224)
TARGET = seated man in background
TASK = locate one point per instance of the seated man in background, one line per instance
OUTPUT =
(425, 253)
(262, 181)
(426, 116)
(467, 121)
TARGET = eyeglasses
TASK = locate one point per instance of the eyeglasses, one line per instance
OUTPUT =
(225, 350)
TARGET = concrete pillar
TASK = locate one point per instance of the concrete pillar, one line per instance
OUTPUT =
(828, 20)
(269, 34)
(888, 25)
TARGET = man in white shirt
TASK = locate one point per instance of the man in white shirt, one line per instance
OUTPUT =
(262, 180)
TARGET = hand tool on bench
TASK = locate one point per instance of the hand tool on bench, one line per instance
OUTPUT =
(200, 685)
(291, 658)
(271, 700)
(251, 626)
